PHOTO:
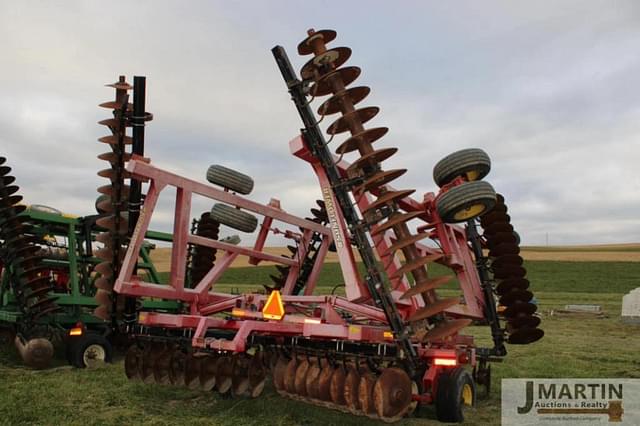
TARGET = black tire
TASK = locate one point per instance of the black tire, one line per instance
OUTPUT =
(229, 178)
(82, 350)
(456, 391)
(466, 201)
(44, 209)
(234, 218)
(473, 163)
(99, 201)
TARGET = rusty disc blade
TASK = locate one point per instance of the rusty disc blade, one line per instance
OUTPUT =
(379, 179)
(365, 393)
(115, 105)
(290, 376)
(224, 374)
(351, 96)
(12, 200)
(507, 260)
(145, 368)
(427, 285)
(365, 137)
(311, 381)
(494, 217)
(504, 249)
(10, 190)
(305, 46)
(446, 329)
(111, 191)
(400, 244)
(177, 367)
(361, 116)
(324, 383)
(208, 369)
(107, 254)
(114, 140)
(509, 271)
(161, 367)
(120, 85)
(524, 336)
(114, 158)
(333, 58)
(132, 362)
(103, 312)
(507, 285)
(516, 295)
(392, 393)
(387, 198)
(114, 175)
(103, 297)
(105, 238)
(105, 269)
(300, 382)
(336, 386)
(498, 227)
(519, 308)
(257, 375)
(192, 371)
(524, 321)
(324, 85)
(240, 377)
(109, 223)
(500, 238)
(278, 373)
(394, 220)
(434, 308)
(371, 159)
(351, 384)
(416, 264)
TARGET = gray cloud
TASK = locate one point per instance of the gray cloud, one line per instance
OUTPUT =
(549, 89)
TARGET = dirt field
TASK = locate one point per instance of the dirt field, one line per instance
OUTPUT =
(592, 253)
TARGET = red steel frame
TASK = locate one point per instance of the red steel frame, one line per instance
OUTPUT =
(308, 315)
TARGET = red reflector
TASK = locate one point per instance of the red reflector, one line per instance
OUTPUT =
(445, 362)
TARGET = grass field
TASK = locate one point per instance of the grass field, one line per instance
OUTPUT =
(570, 348)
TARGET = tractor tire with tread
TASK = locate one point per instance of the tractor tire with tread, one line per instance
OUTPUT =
(90, 346)
(472, 162)
(234, 218)
(456, 391)
(229, 178)
(466, 201)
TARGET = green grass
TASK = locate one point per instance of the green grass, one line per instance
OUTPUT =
(579, 277)
(570, 348)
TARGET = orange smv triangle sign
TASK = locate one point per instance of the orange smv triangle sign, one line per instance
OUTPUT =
(273, 309)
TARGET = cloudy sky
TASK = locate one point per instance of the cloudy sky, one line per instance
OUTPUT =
(550, 89)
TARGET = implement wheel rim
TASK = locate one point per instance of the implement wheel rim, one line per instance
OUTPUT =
(470, 212)
(467, 395)
(93, 355)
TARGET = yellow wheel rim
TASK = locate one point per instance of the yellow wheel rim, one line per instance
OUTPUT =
(472, 175)
(470, 212)
(467, 395)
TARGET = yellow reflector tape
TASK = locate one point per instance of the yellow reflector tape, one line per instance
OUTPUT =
(387, 335)
(75, 331)
(273, 309)
(236, 312)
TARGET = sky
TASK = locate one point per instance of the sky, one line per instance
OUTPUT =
(549, 89)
